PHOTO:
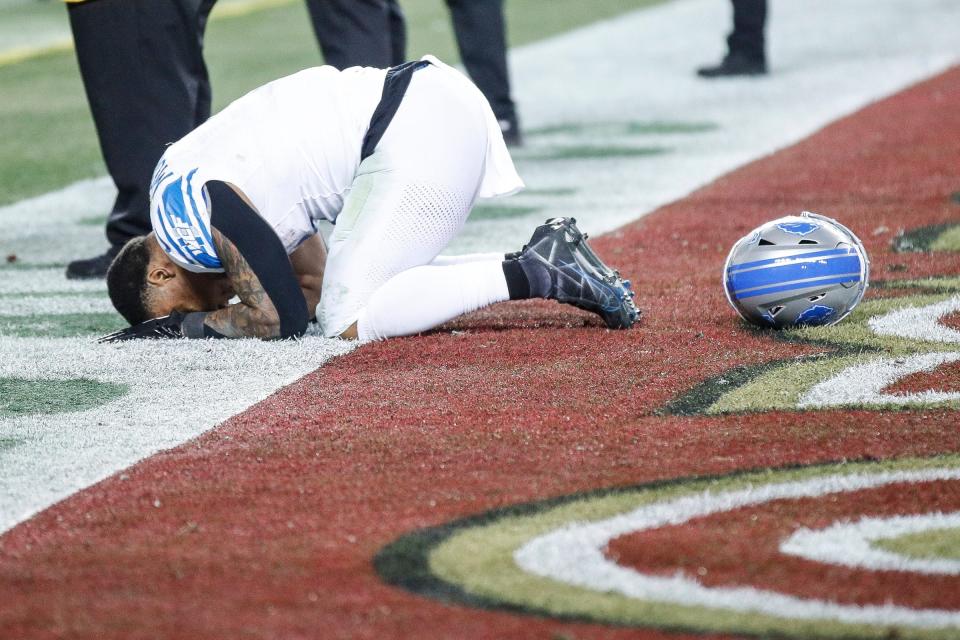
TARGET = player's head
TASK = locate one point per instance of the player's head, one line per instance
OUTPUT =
(144, 283)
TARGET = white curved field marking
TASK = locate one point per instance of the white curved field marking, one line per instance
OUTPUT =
(863, 384)
(919, 323)
(574, 555)
(850, 544)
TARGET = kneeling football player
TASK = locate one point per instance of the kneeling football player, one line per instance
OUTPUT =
(395, 159)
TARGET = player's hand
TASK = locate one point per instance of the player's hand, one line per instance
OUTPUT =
(164, 327)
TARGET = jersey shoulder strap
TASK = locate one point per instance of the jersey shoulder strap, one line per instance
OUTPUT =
(394, 88)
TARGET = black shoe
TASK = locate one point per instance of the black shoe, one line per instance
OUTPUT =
(561, 266)
(735, 64)
(510, 128)
(92, 268)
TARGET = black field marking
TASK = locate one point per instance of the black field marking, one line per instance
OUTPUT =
(955, 197)
(405, 562)
(19, 396)
(500, 212)
(623, 128)
(919, 240)
(696, 401)
(69, 325)
(592, 152)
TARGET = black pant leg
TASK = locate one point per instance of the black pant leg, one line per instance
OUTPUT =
(147, 86)
(749, 23)
(369, 33)
(481, 38)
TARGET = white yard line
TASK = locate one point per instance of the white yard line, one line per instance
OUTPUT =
(829, 58)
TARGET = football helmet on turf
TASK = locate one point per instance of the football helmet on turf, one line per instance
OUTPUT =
(796, 270)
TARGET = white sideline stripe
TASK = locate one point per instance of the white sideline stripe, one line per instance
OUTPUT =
(45, 281)
(178, 390)
(920, 323)
(27, 305)
(850, 544)
(828, 59)
(863, 384)
(574, 555)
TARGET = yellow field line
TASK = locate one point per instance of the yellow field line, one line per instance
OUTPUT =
(21, 54)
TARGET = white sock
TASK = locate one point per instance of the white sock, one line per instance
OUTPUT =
(446, 261)
(424, 297)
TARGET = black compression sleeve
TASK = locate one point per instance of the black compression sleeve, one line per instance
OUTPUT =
(261, 248)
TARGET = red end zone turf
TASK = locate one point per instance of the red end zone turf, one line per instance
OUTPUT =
(268, 525)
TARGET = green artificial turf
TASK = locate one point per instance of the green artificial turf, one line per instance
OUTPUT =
(928, 545)
(47, 138)
(6, 444)
(60, 326)
(499, 212)
(590, 152)
(22, 397)
(53, 294)
(623, 128)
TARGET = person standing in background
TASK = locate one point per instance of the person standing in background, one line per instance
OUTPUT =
(480, 30)
(345, 29)
(142, 67)
(359, 33)
(746, 46)
(147, 84)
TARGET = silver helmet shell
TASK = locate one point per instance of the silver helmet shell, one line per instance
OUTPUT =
(795, 271)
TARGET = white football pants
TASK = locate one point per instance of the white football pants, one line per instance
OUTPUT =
(408, 201)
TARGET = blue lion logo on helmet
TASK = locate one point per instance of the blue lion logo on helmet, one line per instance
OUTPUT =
(798, 228)
(816, 315)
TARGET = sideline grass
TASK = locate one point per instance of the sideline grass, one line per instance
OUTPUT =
(47, 138)
(22, 397)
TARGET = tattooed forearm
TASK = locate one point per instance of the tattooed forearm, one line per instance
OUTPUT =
(254, 316)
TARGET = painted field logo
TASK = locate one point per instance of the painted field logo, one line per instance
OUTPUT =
(885, 351)
(864, 550)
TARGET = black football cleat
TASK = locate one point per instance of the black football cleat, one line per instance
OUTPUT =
(561, 266)
(733, 65)
(92, 268)
(510, 128)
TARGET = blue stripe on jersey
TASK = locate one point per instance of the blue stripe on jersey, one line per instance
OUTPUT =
(181, 231)
(173, 244)
(794, 286)
(196, 212)
(159, 175)
(803, 256)
(832, 266)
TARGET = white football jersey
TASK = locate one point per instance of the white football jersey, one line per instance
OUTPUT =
(291, 146)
